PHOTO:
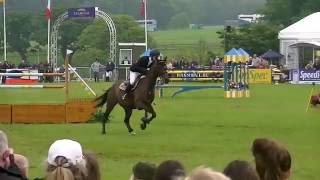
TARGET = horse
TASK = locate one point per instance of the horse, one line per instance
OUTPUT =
(141, 97)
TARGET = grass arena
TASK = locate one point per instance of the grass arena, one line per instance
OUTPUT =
(199, 127)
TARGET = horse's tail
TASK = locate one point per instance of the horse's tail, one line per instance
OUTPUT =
(102, 99)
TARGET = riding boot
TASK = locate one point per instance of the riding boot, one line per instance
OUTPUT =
(128, 89)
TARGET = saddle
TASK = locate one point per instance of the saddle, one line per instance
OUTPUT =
(123, 86)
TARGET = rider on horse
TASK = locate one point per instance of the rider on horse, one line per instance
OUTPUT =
(141, 68)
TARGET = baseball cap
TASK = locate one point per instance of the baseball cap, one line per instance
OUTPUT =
(67, 148)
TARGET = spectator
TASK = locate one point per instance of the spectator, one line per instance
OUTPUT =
(169, 66)
(143, 171)
(12, 166)
(255, 61)
(309, 66)
(95, 68)
(5, 66)
(23, 65)
(273, 161)
(316, 65)
(109, 70)
(241, 170)
(170, 170)
(66, 161)
(202, 173)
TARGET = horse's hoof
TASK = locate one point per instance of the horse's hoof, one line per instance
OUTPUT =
(132, 133)
(143, 126)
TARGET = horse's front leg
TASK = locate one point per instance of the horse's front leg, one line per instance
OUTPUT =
(127, 120)
(145, 120)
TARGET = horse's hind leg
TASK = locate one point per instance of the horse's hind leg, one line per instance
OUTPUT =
(110, 106)
(127, 119)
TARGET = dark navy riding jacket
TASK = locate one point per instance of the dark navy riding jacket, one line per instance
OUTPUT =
(142, 65)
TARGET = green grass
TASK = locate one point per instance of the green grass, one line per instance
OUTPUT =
(197, 128)
(173, 41)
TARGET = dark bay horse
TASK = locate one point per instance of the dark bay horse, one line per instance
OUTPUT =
(141, 98)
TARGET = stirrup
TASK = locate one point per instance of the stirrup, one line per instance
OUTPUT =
(124, 96)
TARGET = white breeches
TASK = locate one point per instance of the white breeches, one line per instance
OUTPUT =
(133, 77)
(108, 73)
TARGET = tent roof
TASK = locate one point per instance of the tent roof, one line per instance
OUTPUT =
(312, 44)
(232, 52)
(271, 55)
(306, 28)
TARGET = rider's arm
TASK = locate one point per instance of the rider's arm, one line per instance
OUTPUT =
(136, 68)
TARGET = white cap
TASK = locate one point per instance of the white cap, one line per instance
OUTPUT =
(67, 148)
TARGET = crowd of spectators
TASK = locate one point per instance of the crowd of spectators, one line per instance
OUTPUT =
(67, 160)
(313, 65)
(183, 64)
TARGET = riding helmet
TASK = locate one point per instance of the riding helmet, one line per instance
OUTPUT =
(154, 52)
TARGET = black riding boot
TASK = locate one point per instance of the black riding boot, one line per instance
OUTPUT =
(128, 89)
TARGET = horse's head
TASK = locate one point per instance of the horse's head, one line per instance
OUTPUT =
(159, 68)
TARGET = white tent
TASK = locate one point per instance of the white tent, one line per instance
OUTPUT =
(299, 37)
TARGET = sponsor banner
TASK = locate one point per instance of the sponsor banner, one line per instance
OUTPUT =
(192, 75)
(82, 13)
(260, 76)
(309, 75)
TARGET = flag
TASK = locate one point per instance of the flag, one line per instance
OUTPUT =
(142, 5)
(48, 11)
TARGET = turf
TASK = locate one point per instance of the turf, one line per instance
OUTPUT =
(196, 128)
(172, 41)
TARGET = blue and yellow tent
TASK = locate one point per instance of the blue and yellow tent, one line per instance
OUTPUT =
(233, 55)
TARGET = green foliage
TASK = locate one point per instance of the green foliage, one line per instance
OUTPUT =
(85, 57)
(180, 20)
(256, 38)
(19, 29)
(286, 12)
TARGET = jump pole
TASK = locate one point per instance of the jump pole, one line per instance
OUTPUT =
(311, 92)
(31, 74)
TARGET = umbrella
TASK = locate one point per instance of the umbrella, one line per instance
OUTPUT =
(271, 55)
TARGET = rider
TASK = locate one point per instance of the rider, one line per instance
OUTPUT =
(141, 68)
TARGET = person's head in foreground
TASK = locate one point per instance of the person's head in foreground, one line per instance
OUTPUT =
(12, 166)
(202, 173)
(241, 170)
(273, 160)
(66, 161)
(170, 170)
(143, 171)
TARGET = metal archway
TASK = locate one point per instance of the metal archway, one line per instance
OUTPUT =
(63, 17)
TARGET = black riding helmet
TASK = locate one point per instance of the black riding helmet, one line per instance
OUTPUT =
(154, 53)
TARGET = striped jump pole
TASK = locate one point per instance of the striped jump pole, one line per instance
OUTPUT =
(33, 86)
(31, 74)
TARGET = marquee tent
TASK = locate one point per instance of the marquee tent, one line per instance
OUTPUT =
(300, 42)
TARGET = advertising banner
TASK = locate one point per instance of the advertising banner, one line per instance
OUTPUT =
(309, 75)
(260, 76)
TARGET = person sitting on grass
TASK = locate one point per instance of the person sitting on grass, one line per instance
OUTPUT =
(12, 166)
(273, 160)
(240, 170)
(170, 170)
(143, 171)
(66, 161)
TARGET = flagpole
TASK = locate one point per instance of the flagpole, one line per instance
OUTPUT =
(145, 24)
(48, 53)
(4, 31)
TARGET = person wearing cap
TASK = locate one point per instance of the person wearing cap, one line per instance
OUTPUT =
(141, 68)
(170, 170)
(67, 161)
